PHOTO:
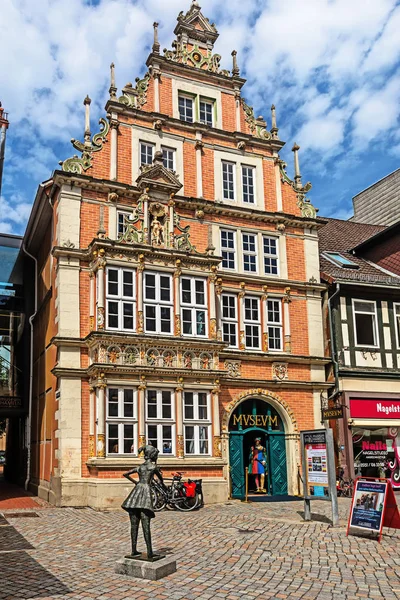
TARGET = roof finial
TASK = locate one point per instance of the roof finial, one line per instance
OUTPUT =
(235, 69)
(156, 43)
(113, 89)
(297, 174)
(87, 101)
(274, 129)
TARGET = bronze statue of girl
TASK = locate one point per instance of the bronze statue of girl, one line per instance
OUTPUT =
(139, 503)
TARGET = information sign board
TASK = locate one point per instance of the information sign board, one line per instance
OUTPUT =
(367, 505)
(316, 463)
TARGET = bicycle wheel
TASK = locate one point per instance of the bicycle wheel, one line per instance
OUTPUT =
(186, 504)
(158, 499)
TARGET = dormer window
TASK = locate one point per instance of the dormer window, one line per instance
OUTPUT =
(340, 260)
(185, 105)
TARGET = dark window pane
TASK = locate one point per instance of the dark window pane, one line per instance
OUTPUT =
(365, 330)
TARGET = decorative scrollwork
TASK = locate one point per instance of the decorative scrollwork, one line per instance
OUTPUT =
(195, 58)
(79, 165)
(136, 97)
(256, 127)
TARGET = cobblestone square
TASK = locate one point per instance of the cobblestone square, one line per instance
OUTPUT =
(230, 551)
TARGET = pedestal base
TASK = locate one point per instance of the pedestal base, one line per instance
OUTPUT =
(143, 568)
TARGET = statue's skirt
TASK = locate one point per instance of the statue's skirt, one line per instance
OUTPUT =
(140, 498)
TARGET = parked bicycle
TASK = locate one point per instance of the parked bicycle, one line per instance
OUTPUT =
(344, 488)
(183, 495)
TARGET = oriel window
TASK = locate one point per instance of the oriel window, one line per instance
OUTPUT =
(274, 321)
(121, 425)
(252, 323)
(197, 424)
(120, 299)
(194, 306)
(158, 303)
(229, 319)
(160, 420)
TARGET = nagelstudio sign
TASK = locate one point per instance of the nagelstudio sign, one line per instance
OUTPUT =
(374, 408)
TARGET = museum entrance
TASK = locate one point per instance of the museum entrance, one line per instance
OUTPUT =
(257, 441)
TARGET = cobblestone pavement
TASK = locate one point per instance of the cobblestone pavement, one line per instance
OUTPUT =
(231, 551)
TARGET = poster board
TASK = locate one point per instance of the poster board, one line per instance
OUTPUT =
(315, 464)
(373, 507)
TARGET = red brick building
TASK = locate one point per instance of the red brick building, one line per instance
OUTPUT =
(178, 288)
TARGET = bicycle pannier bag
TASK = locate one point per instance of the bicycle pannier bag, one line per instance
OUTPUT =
(190, 489)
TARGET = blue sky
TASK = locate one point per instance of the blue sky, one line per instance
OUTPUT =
(331, 67)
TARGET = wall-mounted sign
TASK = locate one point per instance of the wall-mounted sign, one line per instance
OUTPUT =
(374, 408)
(10, 402)
(332, 413)
(255, 420)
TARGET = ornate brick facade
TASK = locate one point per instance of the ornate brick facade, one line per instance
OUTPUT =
(184, 278)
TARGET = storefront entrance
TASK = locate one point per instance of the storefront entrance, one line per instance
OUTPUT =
(253, 419)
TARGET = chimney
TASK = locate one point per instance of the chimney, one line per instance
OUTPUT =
(3, 132)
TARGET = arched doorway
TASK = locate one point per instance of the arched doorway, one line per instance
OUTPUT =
(257, 418)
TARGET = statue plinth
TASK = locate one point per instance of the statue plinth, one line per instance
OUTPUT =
(144, 568)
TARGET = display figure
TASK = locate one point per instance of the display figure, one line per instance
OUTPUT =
(139, 503)
(258, 464)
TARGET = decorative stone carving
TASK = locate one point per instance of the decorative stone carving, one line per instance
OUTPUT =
(79, 165)
(135, 97)
(195, 58)
(233, 367)
(113, 197)
(307, 210)
(257, 126)
(280, 371)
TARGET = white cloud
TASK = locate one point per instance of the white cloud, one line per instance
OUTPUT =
(330, 67)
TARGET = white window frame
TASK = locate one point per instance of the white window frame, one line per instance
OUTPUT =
(232, 164)
(120, 420)
(374, 322)
(120, 299)
(148, 145)
(123, 214)
(193, 306)
(159, 421)
(396, 313)
(275, 324)
(196, 423)
(250, 252)
(230, 320)
(207, 102)
(229, 250)
(270, 256)
(187, 97)
(169, 149)
(251, 322)
(158, 303)
(252, 169)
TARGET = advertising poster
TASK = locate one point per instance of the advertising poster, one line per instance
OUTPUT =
(367, 507)
(316, 463)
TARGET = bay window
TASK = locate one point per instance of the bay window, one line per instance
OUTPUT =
(194, 306)
(197, 426)
(157, 303)
(121, 426)
(120, 299)
(160, 423)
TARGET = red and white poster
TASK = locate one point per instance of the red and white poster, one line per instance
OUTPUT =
(374, 408)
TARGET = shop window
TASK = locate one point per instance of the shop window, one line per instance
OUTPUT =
(120, 299)
(228, 249)
(197, 426)
(157, 303)
(365, 323)
(274, 321)
(121, 425)
(248, 184)
(146, 153)
(194, 306)
(270, 255)
(252, 323)
(185, 106)
(249, 245)
(160, 424)
(229, 320)
(372, 449)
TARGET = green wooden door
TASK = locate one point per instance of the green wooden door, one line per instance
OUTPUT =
(236, 464)
(277, 461)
